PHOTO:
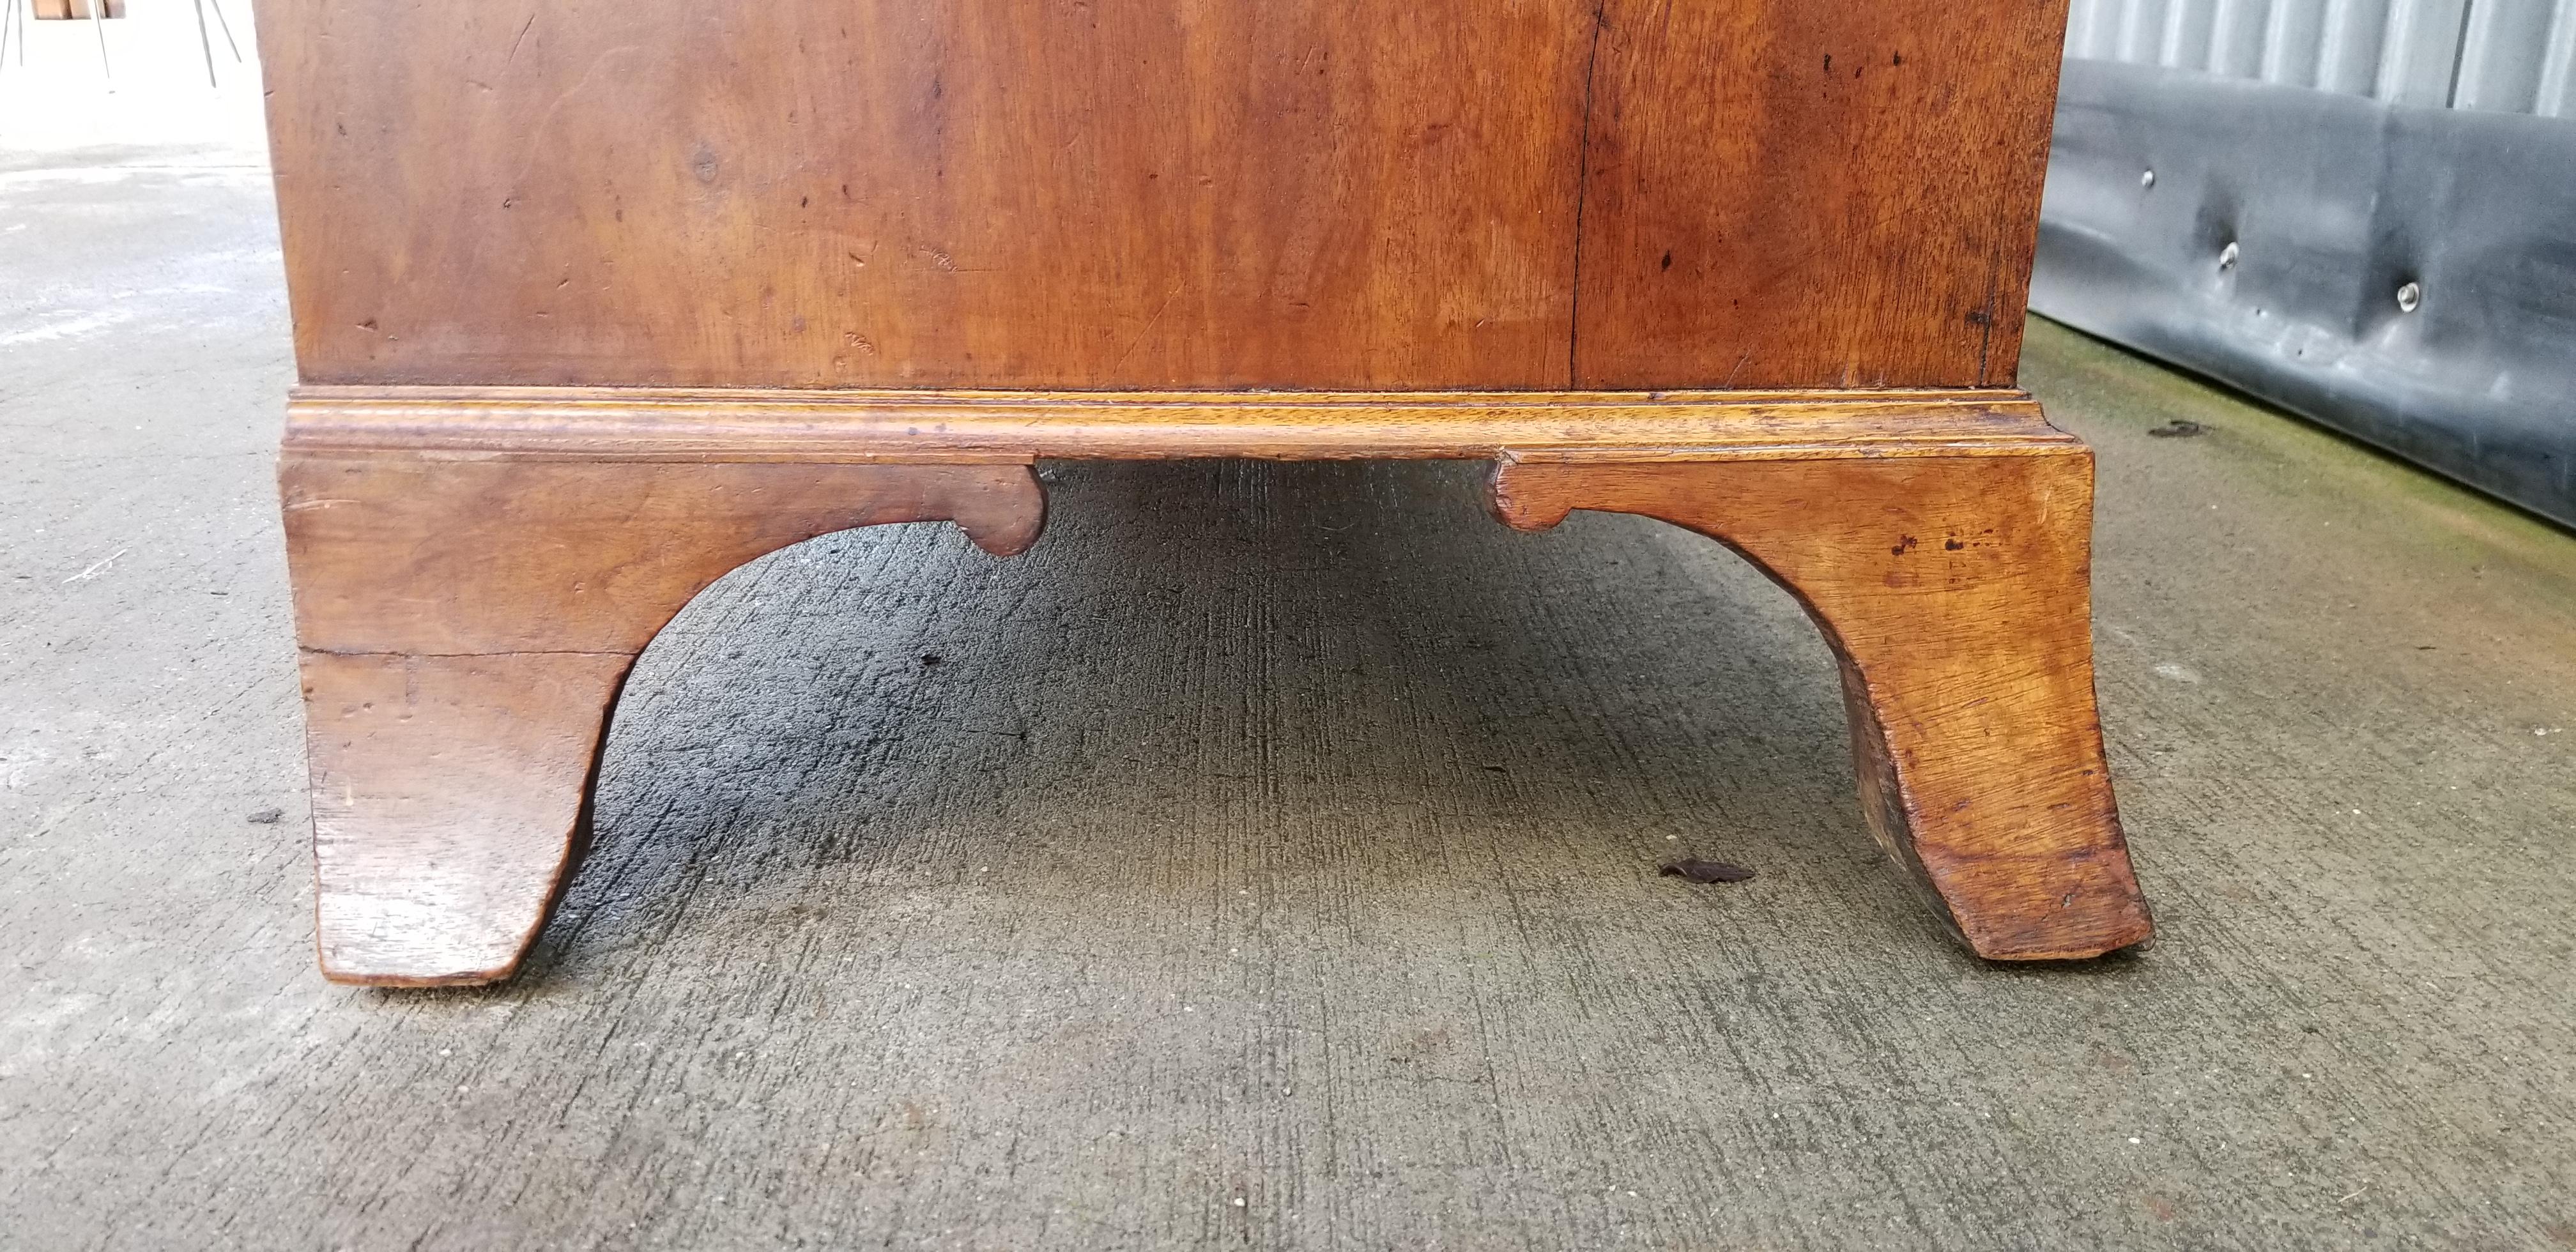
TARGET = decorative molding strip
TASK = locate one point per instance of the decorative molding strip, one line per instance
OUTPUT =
(615, 424)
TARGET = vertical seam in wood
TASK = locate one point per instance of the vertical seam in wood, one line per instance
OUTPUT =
(1582, 183)
(1986, 339)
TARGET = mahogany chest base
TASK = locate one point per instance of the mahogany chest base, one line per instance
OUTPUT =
(476, 570)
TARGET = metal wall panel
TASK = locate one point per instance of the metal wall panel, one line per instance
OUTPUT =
(2506, 56)
(2407, 275)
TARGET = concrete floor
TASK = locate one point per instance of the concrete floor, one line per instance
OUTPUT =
(1268, 859)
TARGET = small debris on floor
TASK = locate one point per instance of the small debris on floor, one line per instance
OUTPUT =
(930, 658)
(1706, 871)
(2179, 428)
(267, 817)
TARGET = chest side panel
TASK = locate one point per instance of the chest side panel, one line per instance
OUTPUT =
(1347, 194)
(1033, 193)
(1813, 193)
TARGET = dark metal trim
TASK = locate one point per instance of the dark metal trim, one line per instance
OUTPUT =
(2335, 205)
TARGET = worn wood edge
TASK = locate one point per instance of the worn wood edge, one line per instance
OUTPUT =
(1534, 512)
(517, 543)
(998, 426)
(335, 964)
(1529, 491)
(576, 846)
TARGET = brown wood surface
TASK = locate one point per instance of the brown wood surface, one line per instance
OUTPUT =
(596, 300)
(467, 614)
(465, 626)
(1955, 592)
(1813, 193)
(1336, 194)
(815, 426)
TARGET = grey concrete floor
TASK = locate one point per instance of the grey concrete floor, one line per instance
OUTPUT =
(1268, 859)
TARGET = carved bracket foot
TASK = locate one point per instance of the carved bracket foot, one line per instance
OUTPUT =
(1953, 582)
(475, 571)
(465, 625)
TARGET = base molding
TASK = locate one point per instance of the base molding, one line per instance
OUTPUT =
(929, 427)
(475, 570)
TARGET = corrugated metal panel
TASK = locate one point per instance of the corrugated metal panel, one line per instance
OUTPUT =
(2508, 56)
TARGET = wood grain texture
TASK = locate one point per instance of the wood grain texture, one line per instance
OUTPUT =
(465, 626)
(915, 426)
(1797, 193)
(1955, 594)
(1318, 194)
(465, 621)
(597, 300)
(1030, 193)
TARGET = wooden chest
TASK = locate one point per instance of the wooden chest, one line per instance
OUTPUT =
(596, 302)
